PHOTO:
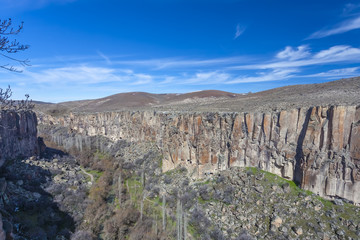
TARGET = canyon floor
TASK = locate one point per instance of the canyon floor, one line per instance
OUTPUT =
(53, 197)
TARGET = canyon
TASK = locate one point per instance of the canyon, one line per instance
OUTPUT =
(221, 148)
(317, 146)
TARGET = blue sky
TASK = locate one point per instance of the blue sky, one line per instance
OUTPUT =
(83, 49)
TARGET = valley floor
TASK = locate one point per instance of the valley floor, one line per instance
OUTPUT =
(98, 196)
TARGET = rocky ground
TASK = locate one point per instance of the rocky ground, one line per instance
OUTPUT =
(247, 203)
(54, 198)
(43, 198)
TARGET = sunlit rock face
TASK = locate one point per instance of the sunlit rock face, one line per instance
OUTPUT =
(18, 134)
(318, 147)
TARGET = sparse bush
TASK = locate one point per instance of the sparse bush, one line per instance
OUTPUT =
(167, 179)
(188, 199)
(185, 182)
(203, 192)
(220, 179)
(199, 220)
(217, 234)
(228, 194)
(82, 235)
(128, 166)
(139, 161)
(244, 236)
(217, 195)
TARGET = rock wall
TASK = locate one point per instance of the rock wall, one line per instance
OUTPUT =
(18, 134)
(318, 147)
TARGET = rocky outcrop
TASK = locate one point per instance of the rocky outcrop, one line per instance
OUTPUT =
(18, 134)
(318, 147)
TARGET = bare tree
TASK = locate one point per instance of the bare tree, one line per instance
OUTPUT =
(163, 212)
(7, 104)
(120, 189)
(9, 46)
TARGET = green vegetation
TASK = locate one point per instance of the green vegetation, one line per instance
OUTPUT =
(96, 174)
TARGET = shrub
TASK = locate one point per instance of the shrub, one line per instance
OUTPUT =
(82, 235)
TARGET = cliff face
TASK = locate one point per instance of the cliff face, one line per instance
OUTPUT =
(319, 147)
(18, 134)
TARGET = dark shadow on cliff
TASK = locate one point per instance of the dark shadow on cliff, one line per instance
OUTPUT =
(299, 157)
(53, 152)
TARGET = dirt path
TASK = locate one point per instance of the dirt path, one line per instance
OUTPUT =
(90, 175)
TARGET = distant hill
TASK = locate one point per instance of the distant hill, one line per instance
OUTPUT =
(340, 92)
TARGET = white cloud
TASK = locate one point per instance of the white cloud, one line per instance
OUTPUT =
(106, 58)
(350, 7)
(343, 27)
(74, 75)
(294, 54)
(214, 77)
(335, 54)
(166, 63)
(140, 79)
(338, 53)
(274, 75)
(338, 73)
(239, 30)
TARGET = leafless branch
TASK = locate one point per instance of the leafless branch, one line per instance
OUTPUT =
(11, 46)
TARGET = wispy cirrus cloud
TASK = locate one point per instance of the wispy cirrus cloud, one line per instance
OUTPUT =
(338, 73)
(74, 75)
(103, 56)
(173, 74)
(335, 54)
(274, 75)
(213, 77)
(294, 54)
(239, 30)
(342, 27)
(168, 63)
(350, 8)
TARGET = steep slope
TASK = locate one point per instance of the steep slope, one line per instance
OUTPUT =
(18, 134)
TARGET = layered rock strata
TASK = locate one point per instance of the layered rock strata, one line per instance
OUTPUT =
(318, 147)
(18, 134)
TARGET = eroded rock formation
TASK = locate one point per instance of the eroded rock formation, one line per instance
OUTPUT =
(318, 147)
(18, 134)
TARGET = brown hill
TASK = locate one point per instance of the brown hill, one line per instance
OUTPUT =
(340, 92)
(135, 100)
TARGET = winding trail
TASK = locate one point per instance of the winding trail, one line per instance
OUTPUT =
(90, 175)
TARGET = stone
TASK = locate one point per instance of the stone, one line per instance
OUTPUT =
(317, 208)
(276, 221)
(286, 187)
(298, 230)
(340, 232)
(259, 189)
(20, 182)
(338, 202)
(36, 195)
